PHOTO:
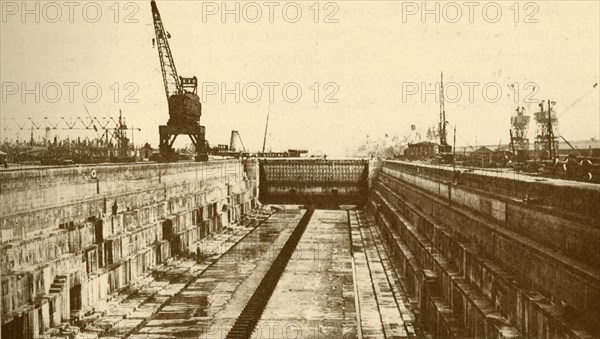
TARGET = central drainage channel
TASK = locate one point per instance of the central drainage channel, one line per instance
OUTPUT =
(246, 322)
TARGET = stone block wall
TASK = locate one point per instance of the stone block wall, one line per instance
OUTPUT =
(483, 264)
(73, 236)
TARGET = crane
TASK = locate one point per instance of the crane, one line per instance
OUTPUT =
(114, 129)
(184, 104)
(106, 124)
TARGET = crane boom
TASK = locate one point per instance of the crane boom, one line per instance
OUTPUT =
(568, 143)
(169, 72)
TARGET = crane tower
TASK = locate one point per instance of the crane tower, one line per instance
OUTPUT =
(546, 140)
(183, 101)
(518, 134)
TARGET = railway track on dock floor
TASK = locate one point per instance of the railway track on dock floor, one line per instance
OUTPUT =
(245, 324)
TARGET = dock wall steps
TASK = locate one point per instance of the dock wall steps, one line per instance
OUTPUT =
(466, 276)
(440, 302)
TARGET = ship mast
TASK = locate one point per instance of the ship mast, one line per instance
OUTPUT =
(442, 125)
(266, 129)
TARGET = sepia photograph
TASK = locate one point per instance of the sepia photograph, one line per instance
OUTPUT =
(303, 169)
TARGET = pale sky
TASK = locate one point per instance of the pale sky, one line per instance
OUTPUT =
(371, 54)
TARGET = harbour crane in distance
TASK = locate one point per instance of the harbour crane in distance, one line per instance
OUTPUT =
(185, 108)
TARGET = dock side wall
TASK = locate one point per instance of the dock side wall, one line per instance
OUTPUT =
(72, 237)
(485, 263)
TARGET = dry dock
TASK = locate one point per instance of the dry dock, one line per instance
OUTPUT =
(357, 249)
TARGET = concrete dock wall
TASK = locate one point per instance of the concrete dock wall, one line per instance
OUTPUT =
(577, 200)
(72, 237)
(484, 264)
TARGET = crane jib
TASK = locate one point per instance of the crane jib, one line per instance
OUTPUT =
(171, 80)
